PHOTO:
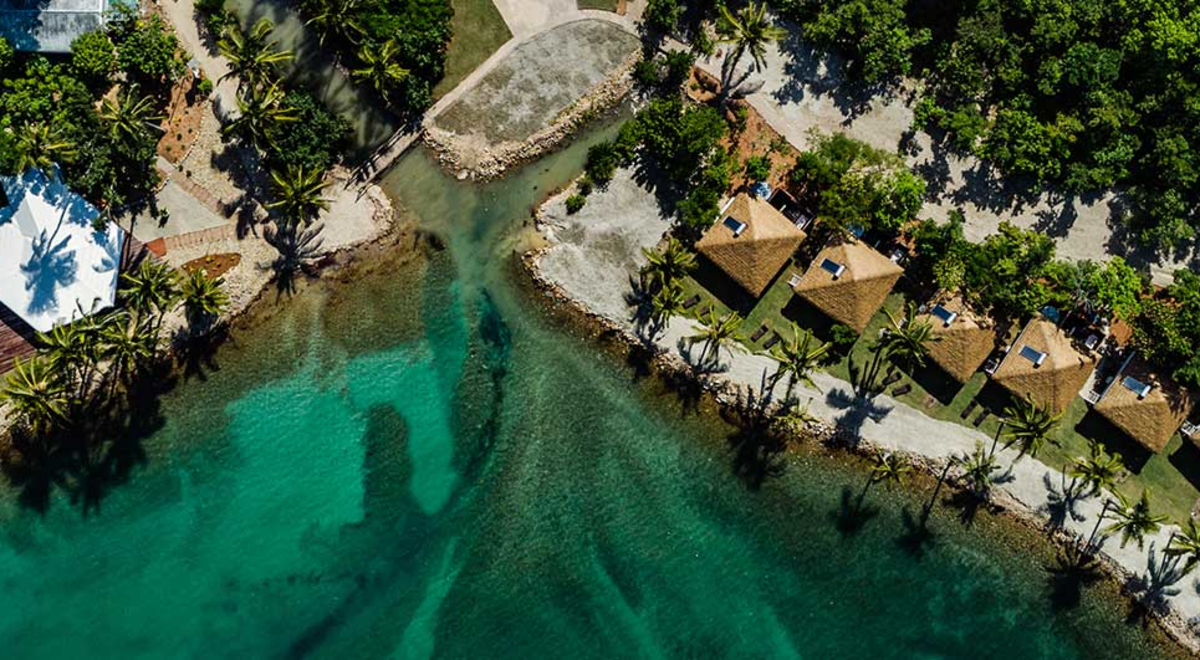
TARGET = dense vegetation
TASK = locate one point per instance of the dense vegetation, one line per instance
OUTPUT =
(56, 112)
(1086, 94)
(1167, 329)
(396, 47)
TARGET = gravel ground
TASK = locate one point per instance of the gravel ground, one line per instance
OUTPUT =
(800, 91)
(599, 248)
(590, 258)
(539, 80)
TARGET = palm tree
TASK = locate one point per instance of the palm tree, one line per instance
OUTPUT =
(203, 297)
(1133, 521)
(152, 290)
(888, 468)
(749, 31)
(1099, 471)
(253, 56)
(798, 357)
(1029, 425)
(667, 302)
(298, 193)
(791, 418)
(668, 264)
(979, 471)
(1186, 543)
(72, 351)
(36, 394)
(906, 341)
(380, 68)
(129, 117)
(717, 332)
(126, 345)
(40, 146)
(262, 112)
(335, 18)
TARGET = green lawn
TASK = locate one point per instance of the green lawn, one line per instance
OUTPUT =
(604, 5)
(478, 31)
(940, 397)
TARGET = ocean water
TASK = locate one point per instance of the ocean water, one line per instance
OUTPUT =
(413, 460)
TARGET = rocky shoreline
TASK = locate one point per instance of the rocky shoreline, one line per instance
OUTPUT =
(731, 397)
(467, 158)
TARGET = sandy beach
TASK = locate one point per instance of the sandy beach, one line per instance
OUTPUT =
(592, 257)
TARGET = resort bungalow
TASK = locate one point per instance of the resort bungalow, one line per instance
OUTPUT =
(1149, 409)
(1042, 363)
(54, 265)
(751, 242)
(965, 339)
(848, 282)
(49, 26)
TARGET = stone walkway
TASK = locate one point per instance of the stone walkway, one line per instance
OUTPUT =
(594, 255)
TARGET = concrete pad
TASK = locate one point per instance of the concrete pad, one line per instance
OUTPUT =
(187, 215)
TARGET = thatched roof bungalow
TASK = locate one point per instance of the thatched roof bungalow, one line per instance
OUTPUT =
(848, 282)
(965, 339)
(751, 242)
(1147, 407)
(1044, 364)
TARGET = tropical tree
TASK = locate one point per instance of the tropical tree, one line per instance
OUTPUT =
(1099, 471)
(717, 332)
(791, 418)
(127, 344)
(40, 146)
(381, 67)
(130, 117)
(262, 112)
(336, 19)
(298, 193)
(668, 264)
(151, 290)
(203, 297)
(253, 56)
(979, 471)
(72, 352)
(36, 394)
(1029, 425)
(887, 468)
(906, 341)
(1186, 543)
(798, 357)
(666, 302)
(748, 31)
(1133, 521)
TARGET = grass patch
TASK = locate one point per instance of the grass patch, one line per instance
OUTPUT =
(479, 31)
(603, 5)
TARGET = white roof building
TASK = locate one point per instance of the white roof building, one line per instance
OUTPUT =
(49, 26)
(53, 263)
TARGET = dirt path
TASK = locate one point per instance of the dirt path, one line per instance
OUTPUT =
(799, 91)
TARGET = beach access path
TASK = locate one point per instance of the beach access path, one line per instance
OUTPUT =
(800, 90)
(594, 256)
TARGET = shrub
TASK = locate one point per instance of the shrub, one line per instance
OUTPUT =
(663, 15)
(146, 50)
(7, 54)
(215, 16)
(758, 168)
(645, 73)
(93, 57)
(842, 337)
(602, 162)
(205, 87)
(585, 185)
(315, 140)
(575, 202)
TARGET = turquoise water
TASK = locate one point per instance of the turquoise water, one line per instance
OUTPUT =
(414, 461)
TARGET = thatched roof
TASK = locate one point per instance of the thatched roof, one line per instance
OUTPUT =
(964, 343)
(753, 256)
(1150, 416)
(856, 292)
(1062, 371)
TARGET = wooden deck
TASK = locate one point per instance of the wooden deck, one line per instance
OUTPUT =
(16, 338)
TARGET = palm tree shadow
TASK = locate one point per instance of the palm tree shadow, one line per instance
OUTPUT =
(1153, 589)
(1061, 502)
(1073, 569)
(757, 450)
(858, 409)
(852, 513)
(917, 537)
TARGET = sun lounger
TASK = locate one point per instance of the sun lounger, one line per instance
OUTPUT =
(691, 302)
(775, 339)
(902, 390)
(762, 330)
(705, 310)
(980, 417)
(969, 409)
(893, 378)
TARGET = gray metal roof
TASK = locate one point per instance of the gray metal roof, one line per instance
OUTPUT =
(49, 26)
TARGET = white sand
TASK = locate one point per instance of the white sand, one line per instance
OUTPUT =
(593, 254)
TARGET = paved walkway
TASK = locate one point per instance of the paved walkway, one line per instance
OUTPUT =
(594, 255)
(799, 91)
